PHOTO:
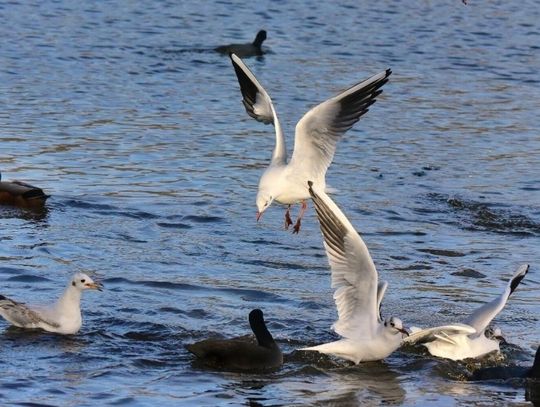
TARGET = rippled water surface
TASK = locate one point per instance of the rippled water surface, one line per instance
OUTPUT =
(124, 114)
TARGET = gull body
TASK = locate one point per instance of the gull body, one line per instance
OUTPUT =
(63, 317)
(460, 346)
(316, 137)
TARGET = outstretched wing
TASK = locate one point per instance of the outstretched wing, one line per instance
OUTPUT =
(440, 332)
(481, 318)
(259, 105)
(22, 316)
(354, 277)
(318, 132)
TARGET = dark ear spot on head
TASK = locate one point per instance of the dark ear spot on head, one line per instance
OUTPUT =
(73, 283)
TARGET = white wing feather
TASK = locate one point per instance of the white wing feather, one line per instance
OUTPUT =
(430, 334)
(354, 276)
(318, 132)
(481, 318)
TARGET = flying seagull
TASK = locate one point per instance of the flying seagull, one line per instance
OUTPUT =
(316, 136)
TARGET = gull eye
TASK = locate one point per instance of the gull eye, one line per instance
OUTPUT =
(83, 280)
(392, 324)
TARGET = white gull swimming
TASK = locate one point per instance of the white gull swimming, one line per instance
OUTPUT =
(316, 136)
(63, 317)
(460, 346)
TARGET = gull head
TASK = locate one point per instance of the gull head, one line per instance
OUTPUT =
(395, 326)
(264, 200)
(82, 281)
(495, 333)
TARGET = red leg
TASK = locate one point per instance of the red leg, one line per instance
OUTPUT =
(303, 208)
(288, 220)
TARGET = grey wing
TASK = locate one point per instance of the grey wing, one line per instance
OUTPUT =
(481, 318)
(20, 315)
(318, 132)
(354, 276)
(438, 332)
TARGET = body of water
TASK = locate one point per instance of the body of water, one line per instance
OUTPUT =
(124, 114)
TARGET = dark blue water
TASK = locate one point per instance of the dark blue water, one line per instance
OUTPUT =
(122, 112)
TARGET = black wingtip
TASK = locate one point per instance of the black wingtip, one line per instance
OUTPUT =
(516, 280)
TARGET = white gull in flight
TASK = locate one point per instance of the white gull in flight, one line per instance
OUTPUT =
(316, 136)
(460, 346)
(63, 317)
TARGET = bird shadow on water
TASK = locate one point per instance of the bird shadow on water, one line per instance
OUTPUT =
(333, 382)
(45, 343)
(38, 215)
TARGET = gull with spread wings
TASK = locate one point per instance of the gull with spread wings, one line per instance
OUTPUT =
(357, 292)
(317, 134)
(464, 345)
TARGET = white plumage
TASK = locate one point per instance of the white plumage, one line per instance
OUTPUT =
(475, 343)
(317, 134)
(63, 317)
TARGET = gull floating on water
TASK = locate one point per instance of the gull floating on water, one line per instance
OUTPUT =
(460, 346)
(316, 136)
(245, 50)
(64, 317)
(19, 193)
(358, 295)
(239, 354)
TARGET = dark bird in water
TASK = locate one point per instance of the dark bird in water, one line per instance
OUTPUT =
(509, 372)
(18, 193)
(245, 50)
(239, 354)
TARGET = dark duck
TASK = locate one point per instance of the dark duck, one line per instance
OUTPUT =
(21, 194)
(245, 50)
(239, 354)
